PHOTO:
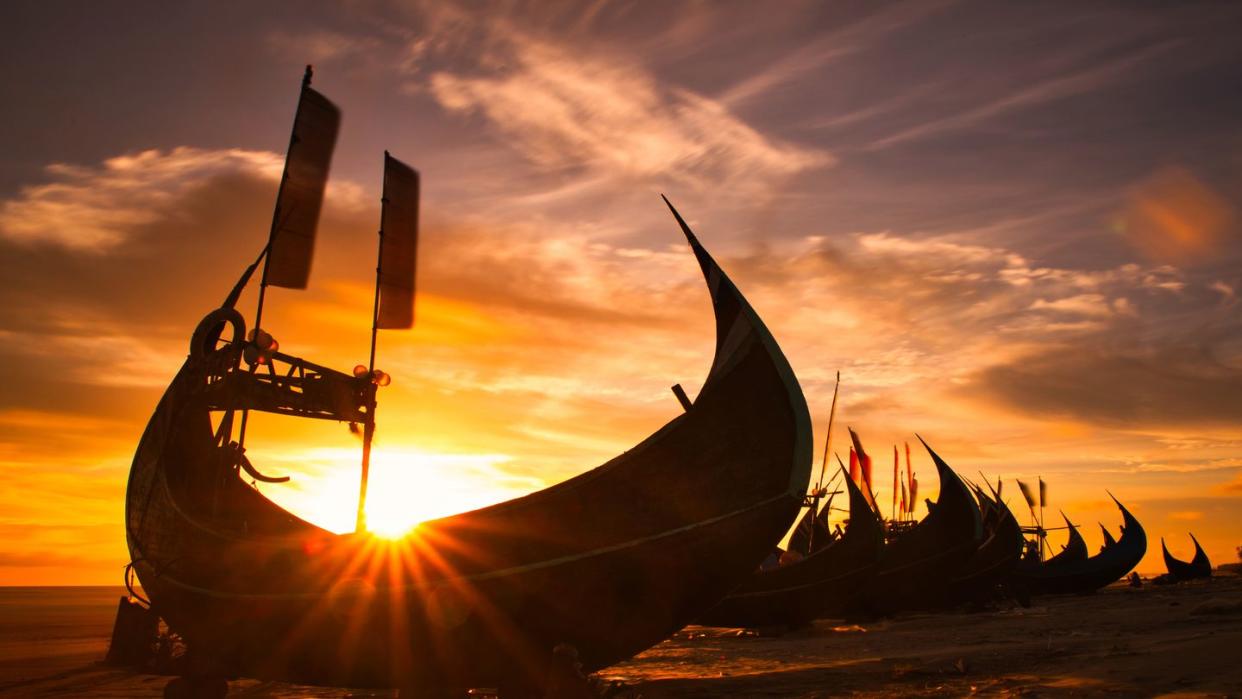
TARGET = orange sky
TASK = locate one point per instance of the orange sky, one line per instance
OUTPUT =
(955, 253)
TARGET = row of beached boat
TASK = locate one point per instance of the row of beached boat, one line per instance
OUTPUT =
(969, 549)
(597, 568)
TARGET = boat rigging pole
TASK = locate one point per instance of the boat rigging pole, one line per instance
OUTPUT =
(832, 413)
(819, 485)
(284, 176)
(271, 234)
(368, 429)
(1043, 536)
(393, 306)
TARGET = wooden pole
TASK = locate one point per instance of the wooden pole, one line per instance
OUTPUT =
(271, 233)
(682, 398)
(368, 430)
(1043, 536)
(284, 175)
(832, 412)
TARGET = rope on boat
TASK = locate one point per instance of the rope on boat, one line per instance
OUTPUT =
(129, 585)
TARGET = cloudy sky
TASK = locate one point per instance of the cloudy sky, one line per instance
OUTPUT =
(1012, 227)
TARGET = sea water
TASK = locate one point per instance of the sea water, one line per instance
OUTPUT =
(44, 630)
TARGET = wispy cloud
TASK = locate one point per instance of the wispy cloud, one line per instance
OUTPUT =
(90, 208)
(579, 107)
(1046, 91)
(1082, 304)
(811, 58)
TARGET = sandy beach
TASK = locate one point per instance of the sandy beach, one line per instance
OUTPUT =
(1155, 641)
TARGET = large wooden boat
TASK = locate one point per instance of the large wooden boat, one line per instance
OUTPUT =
(814, 587)
(608, 563)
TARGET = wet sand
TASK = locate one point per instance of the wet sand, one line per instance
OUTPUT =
(1156, 641)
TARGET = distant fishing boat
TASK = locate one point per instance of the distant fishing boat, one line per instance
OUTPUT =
(1075, 549)
(814, 587)
(598, 567)
(1195, 568)
(1072, 571)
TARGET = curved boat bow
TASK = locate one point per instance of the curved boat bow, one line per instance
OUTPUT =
(1075, 549)
(1197, 567)
(917, 568)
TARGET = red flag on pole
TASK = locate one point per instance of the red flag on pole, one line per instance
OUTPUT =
(855, 471)
(896, 466)
(909, 476)
(864, 458)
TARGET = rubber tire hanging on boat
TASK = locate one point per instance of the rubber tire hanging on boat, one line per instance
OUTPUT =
(209, 329)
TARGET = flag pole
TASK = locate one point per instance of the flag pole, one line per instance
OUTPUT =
(271, 234)
(832, 412)
(896, 467)
(284, 175)
(368, 429)
(1042, 530)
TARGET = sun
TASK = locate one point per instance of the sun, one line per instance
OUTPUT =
(410, 486)
(407, 486)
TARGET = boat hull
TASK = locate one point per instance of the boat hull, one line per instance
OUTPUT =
(919, 567)
(607, 563)
(812, 588)
(991, 565)
(1198, 567)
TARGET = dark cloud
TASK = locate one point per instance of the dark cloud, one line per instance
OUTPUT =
(1173, 386)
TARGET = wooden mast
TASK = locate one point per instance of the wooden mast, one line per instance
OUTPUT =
(368, 428)
(819, 484)
(284, 176)
(832, 413)
(271, 233)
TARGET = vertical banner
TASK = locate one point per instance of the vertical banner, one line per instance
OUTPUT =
(1026, 494)
(301, 191)
(909, 478)
(896, 466)
(398, 245)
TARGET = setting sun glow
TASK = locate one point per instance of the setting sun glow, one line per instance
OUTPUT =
(407, 486)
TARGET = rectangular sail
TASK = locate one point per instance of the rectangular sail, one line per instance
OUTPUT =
(398, 245)
(301, 191)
